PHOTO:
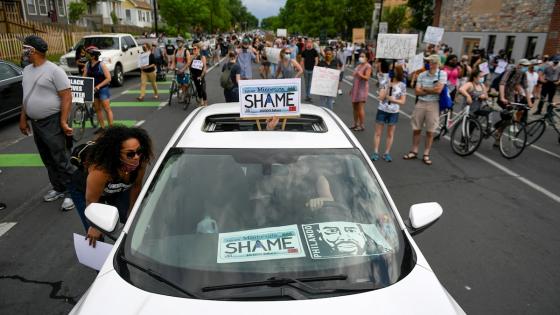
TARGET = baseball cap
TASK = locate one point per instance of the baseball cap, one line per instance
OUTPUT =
(524, 62)
(36, 42)
(246, 40)
(433, 58)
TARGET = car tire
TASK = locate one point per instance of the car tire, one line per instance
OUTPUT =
(118, 76)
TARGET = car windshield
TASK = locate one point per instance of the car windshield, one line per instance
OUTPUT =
(224, 216)
(102, 42)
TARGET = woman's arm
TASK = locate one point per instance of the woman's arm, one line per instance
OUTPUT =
(298, 68)
(464, 90)
(366, 75)
(107, 77)
(96, 181)
(203, 66)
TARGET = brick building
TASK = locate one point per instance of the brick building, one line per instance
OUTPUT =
(524, 28)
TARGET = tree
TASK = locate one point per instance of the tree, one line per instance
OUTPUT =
(396, 18)
(76, 10)
(422, 13)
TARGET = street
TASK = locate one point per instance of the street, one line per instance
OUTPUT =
(494, 249)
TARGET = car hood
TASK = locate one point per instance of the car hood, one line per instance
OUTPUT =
(418, 293)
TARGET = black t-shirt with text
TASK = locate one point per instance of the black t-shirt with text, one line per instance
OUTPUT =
(309, 56)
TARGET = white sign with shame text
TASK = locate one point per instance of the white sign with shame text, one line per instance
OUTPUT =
(267, 98)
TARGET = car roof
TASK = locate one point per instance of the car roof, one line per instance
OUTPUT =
(107, 35)
(194, 136)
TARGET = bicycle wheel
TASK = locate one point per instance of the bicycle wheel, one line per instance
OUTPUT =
(78, 122)
(535, 130)
(513, 140)
(465, 140)
(172, 90)
(93, 117)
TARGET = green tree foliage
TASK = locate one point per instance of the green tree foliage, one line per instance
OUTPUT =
(396, 18)
(76, 10)
(422, 13)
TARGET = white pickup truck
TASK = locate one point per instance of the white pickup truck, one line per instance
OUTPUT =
(120, 52)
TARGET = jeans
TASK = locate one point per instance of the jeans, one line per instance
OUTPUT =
(79, 199)
(548, 89)
(308, 75)
(231, 95)
(326, 101)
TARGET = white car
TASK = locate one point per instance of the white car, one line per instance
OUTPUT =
(119, 52)
(234, 220)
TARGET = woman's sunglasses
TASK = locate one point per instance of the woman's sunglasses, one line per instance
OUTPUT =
(132, 154)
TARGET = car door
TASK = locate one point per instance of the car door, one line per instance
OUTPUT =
(133, 53)
(11, 91)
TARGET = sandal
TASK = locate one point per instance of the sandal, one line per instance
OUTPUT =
(410, 156)
(426, 159)
(359, 129)
(140, 99)
(353, 127)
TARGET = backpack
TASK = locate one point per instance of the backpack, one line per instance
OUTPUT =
(225, 78)
(79, 154)
(445, 101)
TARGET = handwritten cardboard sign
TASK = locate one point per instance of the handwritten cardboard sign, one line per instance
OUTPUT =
(282, 32)
(433, 35)
(483, 67)
(143, 60)
(325, 81)
(416, 63)
(396, 46)
(273, 54)
(359, 35)
(267, 98)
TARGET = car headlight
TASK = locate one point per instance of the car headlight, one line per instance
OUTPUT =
(106, 59)
(63, 61)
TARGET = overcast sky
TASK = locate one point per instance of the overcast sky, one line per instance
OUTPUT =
(263, 8)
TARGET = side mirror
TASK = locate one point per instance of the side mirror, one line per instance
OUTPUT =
(124, 47)
(423, 215)
(103, 216)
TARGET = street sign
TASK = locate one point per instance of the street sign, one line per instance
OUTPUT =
(82, 89)
(396, 46)
(268, 98)
(383, 27)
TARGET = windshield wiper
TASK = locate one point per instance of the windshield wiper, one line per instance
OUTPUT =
(281, 281)
(159, 277)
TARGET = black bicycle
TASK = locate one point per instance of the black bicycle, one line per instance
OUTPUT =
(80, 114)
(535, 129)
(174, 89)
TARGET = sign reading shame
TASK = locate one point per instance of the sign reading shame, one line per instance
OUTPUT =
(267, 98)
(396, 46)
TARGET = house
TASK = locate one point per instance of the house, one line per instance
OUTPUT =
(45, 11)
(137, 13)
(522, 28)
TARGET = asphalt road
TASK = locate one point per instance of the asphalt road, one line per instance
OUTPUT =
(495, 249)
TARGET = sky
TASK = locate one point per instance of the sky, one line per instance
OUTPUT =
(263, 8)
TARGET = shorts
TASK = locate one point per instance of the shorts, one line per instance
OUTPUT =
(183, 78)
(103, 94)
(425, 113)
(386, 118)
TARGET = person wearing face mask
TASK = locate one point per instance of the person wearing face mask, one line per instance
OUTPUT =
(359, 92)
(97, 70)
(474, 90)
(513, 84)
(47, 100)
(550, 79)
(332, 63)
(453, 71)
(310, 58)
(148, 73)
(114, 172)
(245, 58)
(532, 80)
(231, 88)
(287, 67)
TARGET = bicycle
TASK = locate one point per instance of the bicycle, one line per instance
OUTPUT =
(448, 119)
(174, 88)
(535, 129)
(81, 112)
(467, 136)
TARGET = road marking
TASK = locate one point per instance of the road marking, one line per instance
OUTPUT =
(506, 170)
(6, 226)
(165, 91)
(140, 123)
(536, 147)
(20, 160)
(128, 123)
(135, 104)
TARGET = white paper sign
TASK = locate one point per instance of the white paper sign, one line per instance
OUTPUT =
(433, 35)
(143, 60)
(281, 32)
(483, 67)
(273, 54)
(197, 64)
(267, 98)
(89, 256)
(261, 244)
(396, 46)
(325, 81)
(502, 64)
(383, 27)
(416, 62)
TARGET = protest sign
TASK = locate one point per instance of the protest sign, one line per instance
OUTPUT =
(433, 35)
(483, 67)
(325, 81)
(396, 46)
(281, 32)
(416, 62)
(261, 244)
(273, 54)
(143, 60)
(197, 64)
(267, 98)
(82, 89)
(359, 35)
(502, 64)
(383, 27)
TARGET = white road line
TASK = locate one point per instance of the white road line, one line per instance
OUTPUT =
(504, 169)
(6, 226)
(140, 123)
(536, 147)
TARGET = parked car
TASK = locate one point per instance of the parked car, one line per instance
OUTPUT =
(11, 90)
(240, 221)
(120, 52)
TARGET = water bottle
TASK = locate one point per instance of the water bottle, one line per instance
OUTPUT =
(207, 226)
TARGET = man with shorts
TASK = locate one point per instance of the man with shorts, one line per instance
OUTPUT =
(181, 63)
(426, 111)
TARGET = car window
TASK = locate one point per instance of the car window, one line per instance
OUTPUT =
(7, 72)
(129, 41)
(238, 215)
(105, 43)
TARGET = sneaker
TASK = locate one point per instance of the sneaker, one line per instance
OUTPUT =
(67, 204)
(2, 206)
(387, 157)
(339, 92)
(374, 156)
(53, 195)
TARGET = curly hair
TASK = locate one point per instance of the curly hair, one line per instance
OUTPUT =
(106, 154)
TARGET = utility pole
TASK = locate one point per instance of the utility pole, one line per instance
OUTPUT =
(155, 18)
(375, 18)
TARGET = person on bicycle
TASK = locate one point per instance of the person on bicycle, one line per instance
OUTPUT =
(474, 90)
(97, 70)
(198, 72)
(181, 62)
